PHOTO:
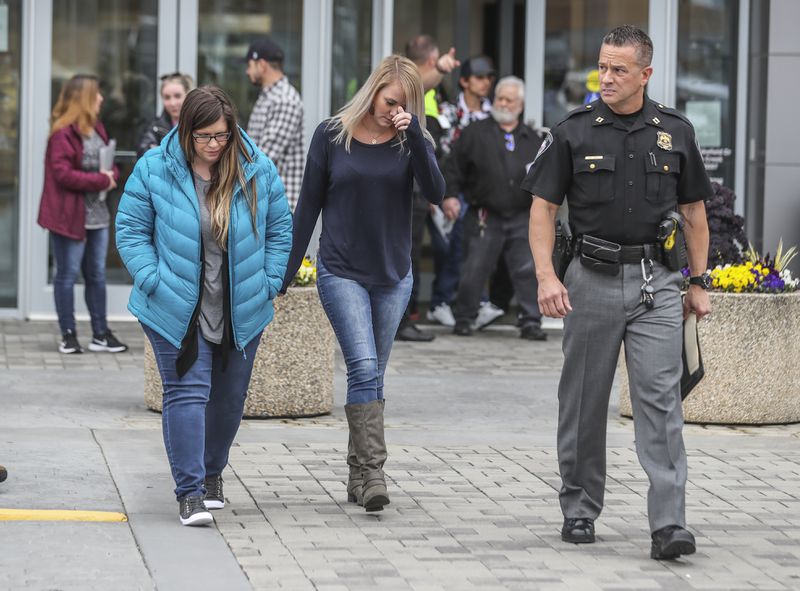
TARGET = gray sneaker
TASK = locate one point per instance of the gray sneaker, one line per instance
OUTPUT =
(214, 499)
(194, 512)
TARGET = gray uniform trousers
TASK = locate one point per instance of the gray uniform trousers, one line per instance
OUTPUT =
(605, 312)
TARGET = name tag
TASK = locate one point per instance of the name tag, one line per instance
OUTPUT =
(592, 157)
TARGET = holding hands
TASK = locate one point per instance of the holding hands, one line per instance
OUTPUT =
(401, 120)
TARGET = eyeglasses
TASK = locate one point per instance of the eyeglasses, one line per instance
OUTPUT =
(510, 145)
(205, 138)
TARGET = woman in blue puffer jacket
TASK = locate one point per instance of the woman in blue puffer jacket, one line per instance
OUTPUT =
(205, 231)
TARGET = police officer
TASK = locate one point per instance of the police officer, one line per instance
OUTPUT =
(623, 162)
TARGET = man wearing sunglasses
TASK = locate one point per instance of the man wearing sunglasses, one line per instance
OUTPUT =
(487, 164)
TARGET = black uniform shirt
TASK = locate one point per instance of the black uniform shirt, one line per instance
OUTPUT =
(620, 182)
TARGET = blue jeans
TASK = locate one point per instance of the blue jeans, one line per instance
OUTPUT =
(365, 319)
(446, 262)
(89, 256)
(202, 410)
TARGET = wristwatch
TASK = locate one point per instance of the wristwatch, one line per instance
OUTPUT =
(703, 280)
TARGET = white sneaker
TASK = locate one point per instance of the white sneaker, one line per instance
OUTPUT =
(441, 314)
(487, 313)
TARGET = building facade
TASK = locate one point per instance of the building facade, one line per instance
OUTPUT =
(723, 62)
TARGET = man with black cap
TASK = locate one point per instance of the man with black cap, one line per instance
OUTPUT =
(276, 122)
(476, 79)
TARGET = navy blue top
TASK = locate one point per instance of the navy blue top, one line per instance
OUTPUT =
(365, 197)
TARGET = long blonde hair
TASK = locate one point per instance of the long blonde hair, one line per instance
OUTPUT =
(76, 103)
(394, 68)
(203, 107)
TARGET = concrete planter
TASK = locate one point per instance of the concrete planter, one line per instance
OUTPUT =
(751, 353)
(293, 369)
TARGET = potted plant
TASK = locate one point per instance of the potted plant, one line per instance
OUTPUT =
(749, 343)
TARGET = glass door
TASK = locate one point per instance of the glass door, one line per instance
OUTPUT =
(10, 83)
(707, 78)
(115, 41)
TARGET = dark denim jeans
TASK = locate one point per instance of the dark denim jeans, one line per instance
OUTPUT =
(88, 256)
(446, 261)
(202, 410)
(365, 319)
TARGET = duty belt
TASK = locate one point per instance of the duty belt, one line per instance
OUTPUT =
(633, 254)
(626, 254)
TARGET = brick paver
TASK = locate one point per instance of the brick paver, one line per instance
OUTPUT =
(473, 482)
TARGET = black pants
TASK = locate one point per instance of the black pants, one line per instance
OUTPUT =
(506, 237)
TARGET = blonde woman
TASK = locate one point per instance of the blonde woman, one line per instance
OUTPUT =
(174, 88)
(75, 213)
(205, 231)
(361, 167)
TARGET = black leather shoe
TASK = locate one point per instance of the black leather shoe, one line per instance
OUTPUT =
(462, 328)
(670, 542)
(578, 531)
(409, 332)
(531, 332)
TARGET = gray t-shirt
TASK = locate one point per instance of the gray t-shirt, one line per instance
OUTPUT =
(211, 317)
(97, 215)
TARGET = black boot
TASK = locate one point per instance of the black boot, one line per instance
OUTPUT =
(670, 542)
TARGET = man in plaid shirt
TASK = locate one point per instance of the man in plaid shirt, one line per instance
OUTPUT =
(276, 122)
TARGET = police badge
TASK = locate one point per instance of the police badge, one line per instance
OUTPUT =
(664, 140)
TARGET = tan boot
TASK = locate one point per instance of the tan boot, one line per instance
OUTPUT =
(366, 431)
(354, 481)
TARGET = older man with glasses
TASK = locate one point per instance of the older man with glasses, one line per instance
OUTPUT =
(487, 164)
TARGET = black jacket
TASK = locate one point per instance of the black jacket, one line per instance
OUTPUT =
(153, 133)
(485, 172)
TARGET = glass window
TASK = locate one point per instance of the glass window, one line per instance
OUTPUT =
(473, 28)
(574, 32)
(352, 49)
(227, 27)
(10, 49)
(115, 40)
(706, 82)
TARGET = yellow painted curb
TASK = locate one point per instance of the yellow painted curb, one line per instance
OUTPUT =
(59, 515)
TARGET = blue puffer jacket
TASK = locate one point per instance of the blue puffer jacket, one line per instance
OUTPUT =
(158, 238)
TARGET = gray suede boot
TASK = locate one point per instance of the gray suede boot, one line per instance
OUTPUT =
(366, 431)
(354, 481)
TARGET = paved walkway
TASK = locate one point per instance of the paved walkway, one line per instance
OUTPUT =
(473, 479)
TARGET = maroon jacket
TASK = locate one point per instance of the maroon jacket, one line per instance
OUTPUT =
(62, 208)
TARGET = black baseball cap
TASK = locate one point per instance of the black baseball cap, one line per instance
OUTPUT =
(264, 49)
(477, 66)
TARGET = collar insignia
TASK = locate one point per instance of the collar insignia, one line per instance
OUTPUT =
(664, 140)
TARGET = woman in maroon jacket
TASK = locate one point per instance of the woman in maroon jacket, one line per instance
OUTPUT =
(74, 209)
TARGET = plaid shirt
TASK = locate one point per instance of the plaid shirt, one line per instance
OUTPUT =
(458, 116)
(276, 126)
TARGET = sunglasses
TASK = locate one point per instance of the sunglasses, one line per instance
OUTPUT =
(510, 145)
